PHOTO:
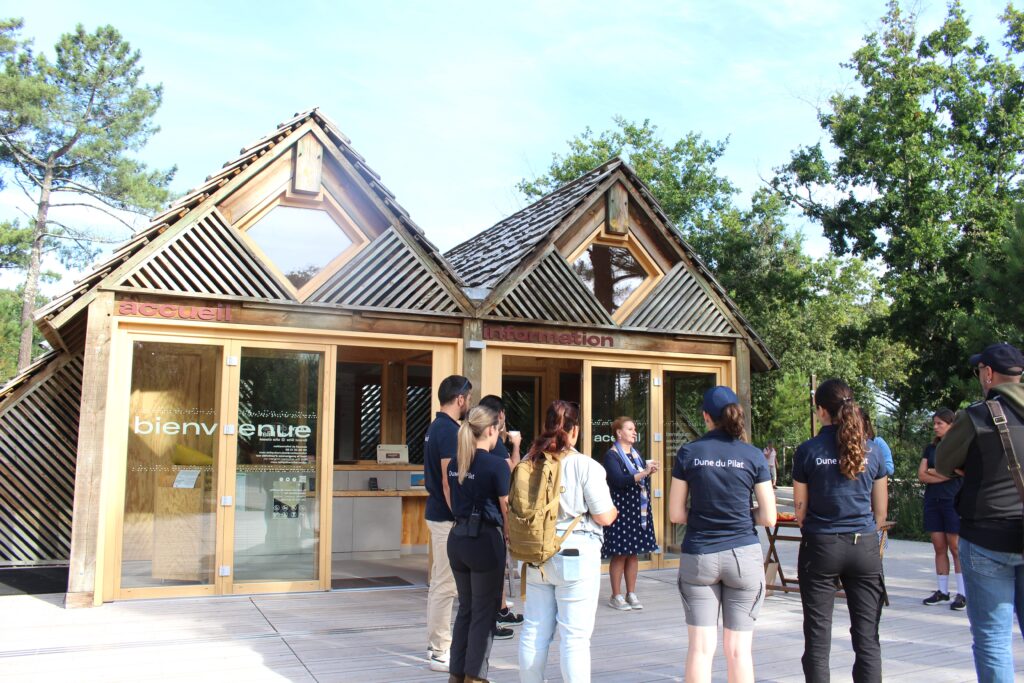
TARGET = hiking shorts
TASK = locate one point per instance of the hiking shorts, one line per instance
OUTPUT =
(730, 582)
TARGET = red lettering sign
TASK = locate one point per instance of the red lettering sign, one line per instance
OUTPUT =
(508, 333)
(218, 313)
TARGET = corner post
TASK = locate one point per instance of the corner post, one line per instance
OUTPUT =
(87, 510)
(743, 391)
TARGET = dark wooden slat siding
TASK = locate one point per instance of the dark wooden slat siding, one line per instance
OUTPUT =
(552, 291)
(38, 433)
(387, 274)
(679, 304)
(208, 258)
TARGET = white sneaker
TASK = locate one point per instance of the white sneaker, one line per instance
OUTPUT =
(634, 602)
(619, 603)
(438, 660)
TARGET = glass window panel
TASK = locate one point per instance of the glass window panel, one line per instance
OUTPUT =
(684, 422)
(170, 481)
(417, 410)
(521, 396)
(357, 414)
(277, 523)
(300, 242)
(611, 273)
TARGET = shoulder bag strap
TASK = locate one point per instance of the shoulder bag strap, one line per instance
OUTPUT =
(1012, 461)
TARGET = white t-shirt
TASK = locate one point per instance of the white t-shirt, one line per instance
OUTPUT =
(584, 492)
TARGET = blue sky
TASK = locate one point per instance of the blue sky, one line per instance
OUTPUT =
(454, 102)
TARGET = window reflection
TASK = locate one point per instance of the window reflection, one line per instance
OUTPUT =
(611, 273)
(300, 242)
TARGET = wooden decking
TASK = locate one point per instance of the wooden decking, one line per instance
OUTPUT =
(379, 636)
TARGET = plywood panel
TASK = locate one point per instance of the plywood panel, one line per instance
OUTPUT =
(414, 526)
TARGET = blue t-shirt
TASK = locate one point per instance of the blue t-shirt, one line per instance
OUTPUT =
(488, 480)
(721, 473)
(501, 450)
(883, 448)
(947, 490)
(835, 504)
(442, 441)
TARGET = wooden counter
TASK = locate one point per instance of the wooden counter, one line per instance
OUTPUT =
(371, 465)
(417, 493)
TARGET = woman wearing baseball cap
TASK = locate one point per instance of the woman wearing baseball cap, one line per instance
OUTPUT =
(721, 568)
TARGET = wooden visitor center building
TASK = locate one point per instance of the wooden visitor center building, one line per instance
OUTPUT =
(236, 400)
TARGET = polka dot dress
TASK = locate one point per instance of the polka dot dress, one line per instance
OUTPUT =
(626, 536)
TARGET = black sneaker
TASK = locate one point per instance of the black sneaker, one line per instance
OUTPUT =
(959, 603)
(502, 633)
(506, 617)
(936, 597)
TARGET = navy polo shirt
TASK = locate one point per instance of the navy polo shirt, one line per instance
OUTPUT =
(501, 450)
(721, 473)
(488, 480)
(945, 491)
(835, 504)
(442, 441)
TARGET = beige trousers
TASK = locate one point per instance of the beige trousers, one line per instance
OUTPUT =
(442, 592)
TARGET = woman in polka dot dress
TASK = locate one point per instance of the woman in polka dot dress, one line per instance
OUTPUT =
(632, 534)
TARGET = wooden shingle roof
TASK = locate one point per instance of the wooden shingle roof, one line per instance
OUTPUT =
(61, 309)
(491, 257)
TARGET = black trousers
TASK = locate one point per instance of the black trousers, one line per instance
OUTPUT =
(854, 561)
(479, 568)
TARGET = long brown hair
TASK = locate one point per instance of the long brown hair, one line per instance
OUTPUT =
(559, 420)
(473, 428)
(836, 397)
(732, 421)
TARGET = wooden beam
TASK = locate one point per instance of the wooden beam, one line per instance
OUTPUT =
(472, 359)
(743, 389)
(309, 163)
(618, 210)
(89, 463)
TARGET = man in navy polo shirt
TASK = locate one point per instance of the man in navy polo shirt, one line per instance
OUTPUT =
(440, 446)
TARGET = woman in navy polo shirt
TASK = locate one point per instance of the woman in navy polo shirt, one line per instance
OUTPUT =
(479, 483)
(721, 568)
(841, 497)
(941, 519)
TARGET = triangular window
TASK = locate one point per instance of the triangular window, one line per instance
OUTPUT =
(304, 241)
(617, 270)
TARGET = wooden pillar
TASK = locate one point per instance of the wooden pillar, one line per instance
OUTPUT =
(87, 511)
(742, 353)
(393, 406)
(472, 358)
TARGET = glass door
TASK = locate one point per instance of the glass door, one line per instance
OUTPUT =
(273, 534)
(168, 525)
(682, 399)
(610, 392)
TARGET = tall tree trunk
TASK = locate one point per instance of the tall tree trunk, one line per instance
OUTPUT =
(32, 278)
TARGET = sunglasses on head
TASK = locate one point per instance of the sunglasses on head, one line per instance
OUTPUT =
(977, 370)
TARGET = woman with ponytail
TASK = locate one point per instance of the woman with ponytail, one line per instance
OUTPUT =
(721, 568)
(565, 592)
(479, 483)
(841, 498)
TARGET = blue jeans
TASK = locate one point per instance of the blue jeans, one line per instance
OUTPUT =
(572, 605)
(995, 588)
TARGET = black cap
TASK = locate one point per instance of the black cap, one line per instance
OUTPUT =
(1004, 358)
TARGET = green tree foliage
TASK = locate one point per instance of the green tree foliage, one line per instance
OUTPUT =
(15, 243)
(816, 317)
(927, 163)
(68, 130)
(10, 332)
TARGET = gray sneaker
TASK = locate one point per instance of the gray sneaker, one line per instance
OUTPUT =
(634, 602)
(618, 602)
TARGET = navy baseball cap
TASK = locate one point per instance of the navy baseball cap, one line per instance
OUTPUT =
(716, 399)
(1004, 358)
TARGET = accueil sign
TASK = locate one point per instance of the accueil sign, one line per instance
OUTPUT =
(218, 313)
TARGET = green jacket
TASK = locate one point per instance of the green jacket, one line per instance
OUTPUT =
(951, 452)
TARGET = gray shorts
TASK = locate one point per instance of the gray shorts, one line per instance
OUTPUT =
(730, 581)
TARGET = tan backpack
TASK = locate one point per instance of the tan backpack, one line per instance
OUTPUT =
(533, 510)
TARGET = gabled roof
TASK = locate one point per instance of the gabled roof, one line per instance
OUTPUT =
(485, 259)
(59, 311)
(491, 257)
